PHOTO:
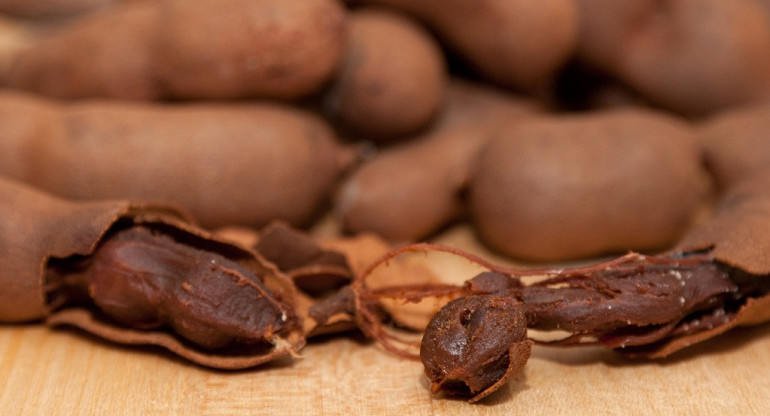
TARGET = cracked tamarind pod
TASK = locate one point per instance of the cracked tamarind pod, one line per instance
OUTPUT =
(648, 306)
(142, 274)
(645, 306)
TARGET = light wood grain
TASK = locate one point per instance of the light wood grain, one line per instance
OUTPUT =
(51, 372)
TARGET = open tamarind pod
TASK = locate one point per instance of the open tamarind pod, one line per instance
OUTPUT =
(203, 49)
(134, 273)
(715, 279)
(321, 268)
(226, 164)
(410, 190)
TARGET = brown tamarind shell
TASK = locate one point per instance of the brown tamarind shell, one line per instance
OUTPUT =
(37, 227)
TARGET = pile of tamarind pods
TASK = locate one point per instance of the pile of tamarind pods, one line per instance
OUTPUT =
(558, 130)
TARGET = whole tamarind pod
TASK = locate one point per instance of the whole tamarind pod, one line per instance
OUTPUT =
(247, 163)
(410, 190)
(189, 49)
(689, 56)
(580, 185)
(515, 43)
(392, 80)
(135, 273)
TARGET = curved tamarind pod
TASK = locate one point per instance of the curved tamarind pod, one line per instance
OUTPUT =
(49, 245)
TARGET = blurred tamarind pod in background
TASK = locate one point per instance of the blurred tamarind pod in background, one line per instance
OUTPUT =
(412, 189)
(570, 186)
(236, 163)
(204, 49)
(689, 56)
(515, 43)
(393, 79)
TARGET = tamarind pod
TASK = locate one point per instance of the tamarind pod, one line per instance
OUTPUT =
(227, 164)
(735, 237)
(106, 53)
(519, 44)
(574, 186)
(645, 306)
(147, 280)
(690, 56)
(737, 230)
(47, 241)
(189, 49)
(392, 80)
(410, 190)
(715, 279)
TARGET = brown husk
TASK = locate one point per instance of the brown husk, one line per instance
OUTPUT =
(738, 236)
(38, 227)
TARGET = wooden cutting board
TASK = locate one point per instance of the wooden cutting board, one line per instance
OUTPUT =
(62, 372)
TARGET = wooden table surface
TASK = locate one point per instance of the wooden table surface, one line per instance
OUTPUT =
(64, 372)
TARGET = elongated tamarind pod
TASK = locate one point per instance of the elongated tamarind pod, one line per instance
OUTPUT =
(226, 164)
